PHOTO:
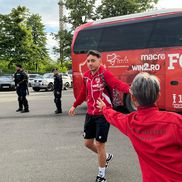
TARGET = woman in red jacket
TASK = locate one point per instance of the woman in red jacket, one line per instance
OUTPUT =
(156, 135)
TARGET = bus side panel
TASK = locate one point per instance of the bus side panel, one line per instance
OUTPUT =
(125, 65)
(79, 67)
(174, 80)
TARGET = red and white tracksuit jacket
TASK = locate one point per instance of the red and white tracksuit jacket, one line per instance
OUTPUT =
(157, 139)
(93, 87)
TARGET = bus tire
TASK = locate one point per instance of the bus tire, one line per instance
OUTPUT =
(129, 104)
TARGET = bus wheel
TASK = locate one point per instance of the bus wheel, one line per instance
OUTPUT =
(129, 104)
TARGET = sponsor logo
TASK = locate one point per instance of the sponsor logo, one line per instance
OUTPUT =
(177, 101)
(116, 61)
(153, 57)
(146, 67)
(174, 60)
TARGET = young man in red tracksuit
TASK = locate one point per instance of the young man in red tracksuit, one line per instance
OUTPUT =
(156, 135)
(96, 128)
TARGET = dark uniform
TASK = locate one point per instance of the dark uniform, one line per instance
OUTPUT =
(21, 81)
(58, 83)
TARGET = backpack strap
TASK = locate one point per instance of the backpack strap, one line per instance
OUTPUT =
(107, 87)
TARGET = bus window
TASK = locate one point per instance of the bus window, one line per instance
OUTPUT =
(167, 33)
(87, 40)
(126, 37)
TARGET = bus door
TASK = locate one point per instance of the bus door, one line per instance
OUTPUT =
(174, 81)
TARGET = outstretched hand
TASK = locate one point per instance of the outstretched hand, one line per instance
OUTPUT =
(100, 104)
(72, 111)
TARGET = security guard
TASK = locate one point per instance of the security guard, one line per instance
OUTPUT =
(58, 83)
(21, 81)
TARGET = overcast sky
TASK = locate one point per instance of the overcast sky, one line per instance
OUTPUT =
(48, 9)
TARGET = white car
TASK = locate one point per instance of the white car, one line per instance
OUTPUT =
(67, 80)
(31, 78)
(47, 82)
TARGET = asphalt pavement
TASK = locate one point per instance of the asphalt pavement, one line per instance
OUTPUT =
(40, 146)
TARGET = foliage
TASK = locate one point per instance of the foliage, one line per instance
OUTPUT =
(111, 8)
(22, 37)
(80, 11)
(64, 38)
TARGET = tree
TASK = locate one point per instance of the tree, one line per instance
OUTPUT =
(16, 39)
(111, 8)
(80, 11)
(39, 50)
(64, 38)
(22, 37)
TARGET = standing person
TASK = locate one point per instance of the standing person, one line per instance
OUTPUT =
(21, 83)
(58, 83)
(156, 135)
(96, 127)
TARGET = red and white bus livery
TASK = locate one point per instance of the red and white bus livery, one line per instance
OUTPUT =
(130, 44)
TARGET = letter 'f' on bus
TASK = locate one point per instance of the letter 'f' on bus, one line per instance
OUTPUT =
(173, 58)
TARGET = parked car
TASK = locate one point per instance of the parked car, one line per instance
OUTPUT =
(67, 80)
(43, 82)
(31, 78)
(47, 82)
(7, 82)
(71, 76)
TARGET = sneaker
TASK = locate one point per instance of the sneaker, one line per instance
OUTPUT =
(100, 179)
(18, 110)
(109, 159)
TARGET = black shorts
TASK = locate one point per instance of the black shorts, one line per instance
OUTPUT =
(96, 127)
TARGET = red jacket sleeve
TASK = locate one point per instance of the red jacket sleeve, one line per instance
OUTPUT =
(82, 95)
(116, 119)
(114, 83)
(180, 136)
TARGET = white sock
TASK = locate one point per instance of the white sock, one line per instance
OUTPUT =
(102, 171)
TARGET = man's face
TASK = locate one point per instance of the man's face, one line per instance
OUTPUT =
(93, 62)
(18, 68)
(55, 72)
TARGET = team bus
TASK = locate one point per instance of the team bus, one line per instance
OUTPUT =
(143, 42)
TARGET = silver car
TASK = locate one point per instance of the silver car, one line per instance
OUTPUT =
(46, 82)
(7, 82)
(43, 82)
(31, 78)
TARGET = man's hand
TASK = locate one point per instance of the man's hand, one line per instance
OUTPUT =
(100, 104)
(72, 111)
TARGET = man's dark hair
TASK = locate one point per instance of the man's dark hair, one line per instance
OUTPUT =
(94, 53)
(54, 69)
(19, 65)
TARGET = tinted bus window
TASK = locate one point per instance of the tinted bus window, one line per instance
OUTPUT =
(126, 37)
(167, 33)
(87, 40)
(149, 34)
